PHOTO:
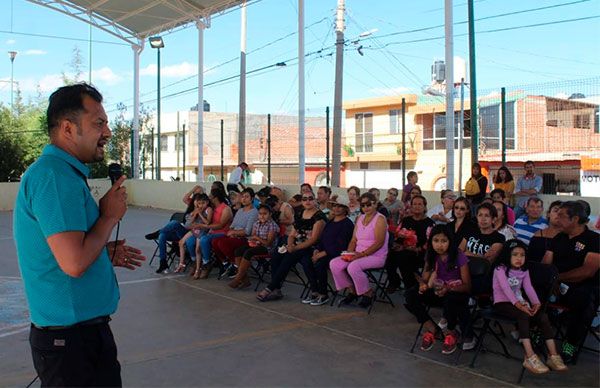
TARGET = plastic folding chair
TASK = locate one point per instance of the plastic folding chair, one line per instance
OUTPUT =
(172, 246)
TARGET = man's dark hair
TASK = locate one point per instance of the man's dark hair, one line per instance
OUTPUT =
(498, 191)
(490, 208)
(249, 190)
(67, 102)
(534, 200)
(575, 209)
(529, 162)
(326, 189)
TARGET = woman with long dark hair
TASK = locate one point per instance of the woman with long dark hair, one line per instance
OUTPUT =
(504, 180)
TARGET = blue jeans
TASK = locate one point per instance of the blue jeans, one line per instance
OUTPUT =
(173, 231)
(205, 245)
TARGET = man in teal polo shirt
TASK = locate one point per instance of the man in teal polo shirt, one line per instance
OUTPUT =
(61, 236)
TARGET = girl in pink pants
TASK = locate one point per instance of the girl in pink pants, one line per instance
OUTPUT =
(370, 243)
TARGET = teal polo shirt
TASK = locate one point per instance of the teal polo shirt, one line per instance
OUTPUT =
(53, 198)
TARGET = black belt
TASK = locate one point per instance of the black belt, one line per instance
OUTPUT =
(89, 322)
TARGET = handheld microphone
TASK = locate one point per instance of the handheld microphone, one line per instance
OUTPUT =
(114, 172)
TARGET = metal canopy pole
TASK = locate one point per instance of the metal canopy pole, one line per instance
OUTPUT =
(201, 25)
(135, 161)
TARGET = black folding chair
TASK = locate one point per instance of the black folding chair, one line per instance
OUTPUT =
(172, 246)
(378, 277)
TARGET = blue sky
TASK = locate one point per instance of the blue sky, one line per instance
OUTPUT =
(390, 65)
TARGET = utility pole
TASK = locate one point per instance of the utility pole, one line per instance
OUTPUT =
(449, 96)
(242, 109)
(337, 104)
(301, 107)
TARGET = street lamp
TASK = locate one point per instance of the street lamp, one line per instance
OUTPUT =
(12, 55)
(157, 43)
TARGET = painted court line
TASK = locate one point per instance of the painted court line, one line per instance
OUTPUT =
(343, 333)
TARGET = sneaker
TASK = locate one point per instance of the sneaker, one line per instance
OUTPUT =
(427, 342)
(162, 268)
(309, 298)
(556, 363)
(321, 300)
(232, 272)
(153, 235)
(449, 345)
(568, 352)
(535, 365)
(469, 344)
(348, 300)
(443, 324)
(223, 270)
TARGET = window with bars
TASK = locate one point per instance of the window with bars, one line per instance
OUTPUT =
(364, 132)
(490, 126)
(434, 131)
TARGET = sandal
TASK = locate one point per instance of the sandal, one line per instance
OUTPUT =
(196, 275)
(263, 294)
(180, 268)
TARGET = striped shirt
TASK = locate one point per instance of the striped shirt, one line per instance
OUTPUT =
(525, 230)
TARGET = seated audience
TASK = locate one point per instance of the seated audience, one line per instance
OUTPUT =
(499, 195)
(442, 213)
(219, 226)
(504, 181)
(462, 223)
(202, 214)
(237, 236)
(445, 282)
(353, 204)
(515, 297)
(380, 208)
(415, 191)
(412, 179)
(527, 186)
(369, 245)
(532, 221)
(262, 241)
(501, 224)
(541, 240)
(484, 242)
(575, 251)
(476, 186)
(301, 241)
(407, 252)
(394, 206)
(334, 239)
(323, 198)
(283, 215)
(306, 188)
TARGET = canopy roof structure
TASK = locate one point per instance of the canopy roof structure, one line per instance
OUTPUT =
(134, 20)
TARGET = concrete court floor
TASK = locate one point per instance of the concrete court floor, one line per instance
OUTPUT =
(175, 331)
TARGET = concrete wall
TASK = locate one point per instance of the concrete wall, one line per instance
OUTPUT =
(168, 195)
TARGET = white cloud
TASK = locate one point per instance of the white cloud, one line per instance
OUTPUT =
(105, 75)
(34, 52)
(183, 69)
(11, 41)
(389, 91)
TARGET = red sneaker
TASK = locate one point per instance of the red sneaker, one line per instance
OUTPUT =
(449, 345)
(428, 340)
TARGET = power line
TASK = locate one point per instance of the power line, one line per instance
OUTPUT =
(478, 19)
(491, 31)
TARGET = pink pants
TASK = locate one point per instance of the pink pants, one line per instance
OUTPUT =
(345, 274)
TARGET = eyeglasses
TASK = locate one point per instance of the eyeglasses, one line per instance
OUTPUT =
(308, 198)
(366, 204)
(460, 208)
